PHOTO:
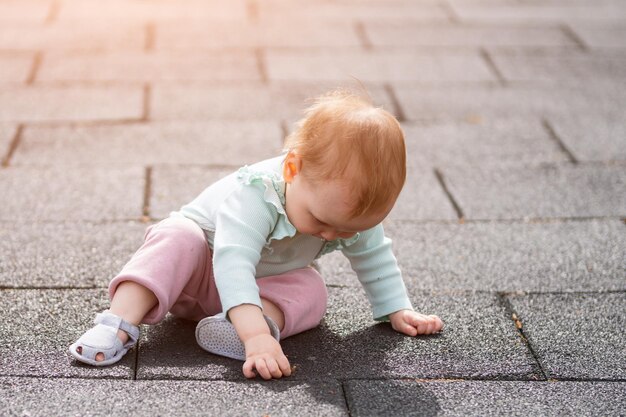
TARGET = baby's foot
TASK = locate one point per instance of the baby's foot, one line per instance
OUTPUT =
(121, 334)
(107, 342)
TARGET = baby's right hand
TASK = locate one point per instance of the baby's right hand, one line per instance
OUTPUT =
(265, 354)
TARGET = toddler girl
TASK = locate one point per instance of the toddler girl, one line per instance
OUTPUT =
(237, 257)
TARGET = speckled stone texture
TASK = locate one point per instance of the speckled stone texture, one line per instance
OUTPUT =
(576, 336)
(40, 397)
(480, 398)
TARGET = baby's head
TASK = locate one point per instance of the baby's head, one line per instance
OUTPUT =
(344, 140)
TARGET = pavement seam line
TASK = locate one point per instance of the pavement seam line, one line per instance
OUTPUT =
(147, 97)
(395, 103)
(261, 65)
(252, 11)
(15, 142)
(53, 12)
(150, 37)
(570, 33)
(345, 397)
(555, 138)
(510, 311)
(361, 33)
(34, 69)
(147, 193)
(486, 56)
(446, 190)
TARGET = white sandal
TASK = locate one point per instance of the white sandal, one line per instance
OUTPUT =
(102, 338)
(217, 335)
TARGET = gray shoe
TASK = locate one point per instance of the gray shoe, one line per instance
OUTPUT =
(103, 339)
(217, 335)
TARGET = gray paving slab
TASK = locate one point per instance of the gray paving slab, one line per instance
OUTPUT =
(348, 344)
(336, 11)
(422, 198)
(576, 336)
(377, 66)
(173, 187)
(64, 255)
(486, 104)
(502, 256)
(560, 68)
(535, 13)
(278, 101)
(139, 11)
(15, 68)
(38, 327)
(149, 67)
(493, 142)
(38, 397)
(141, 144)
(70, 103)
(24, 11)
(79, 35)
(406, 34)
(198, 35)
(592, 137)
(602, 36)
(480, 398)
(563, 190)
(59, 194)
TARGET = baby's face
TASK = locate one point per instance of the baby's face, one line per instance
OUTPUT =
(322, 209)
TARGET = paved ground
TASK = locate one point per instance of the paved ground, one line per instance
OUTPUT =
(511, 227)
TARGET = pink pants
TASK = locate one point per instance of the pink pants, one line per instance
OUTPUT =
(175, 263)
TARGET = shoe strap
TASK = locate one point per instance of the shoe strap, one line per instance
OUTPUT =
(109, 319)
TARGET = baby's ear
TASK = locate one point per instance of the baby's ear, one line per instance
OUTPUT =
(291, 166)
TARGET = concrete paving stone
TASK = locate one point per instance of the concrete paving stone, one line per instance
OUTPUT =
(79, 35)
(173, 187)
(35, 11)
(38, 327)
(75, 103)
(544, 191)
(480, 398)
(7, 133)
(377, 67)
(59, 193)
(398, 10)
(592, 137)
(302, 34)
(348, 344)
(518, 13)
(149, 67)
(410, 35)
(38, 397)
(137, 10)
(570, 69)
(493, 142)
(211, 142)
(601, 36)
(278, 101)
(471, 103)
(422, 198)
(78, 254)
(510, 256)
(576, 335)
(15, 67)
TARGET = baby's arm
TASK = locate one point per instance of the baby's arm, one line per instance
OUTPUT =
(413, 323)
(263, 352)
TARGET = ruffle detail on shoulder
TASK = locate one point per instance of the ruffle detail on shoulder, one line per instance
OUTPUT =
(338, 244)
(274, 194)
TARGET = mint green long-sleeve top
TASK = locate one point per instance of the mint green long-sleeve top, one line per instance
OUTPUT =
(244, 219)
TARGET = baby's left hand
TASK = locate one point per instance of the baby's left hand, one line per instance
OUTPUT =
(413, 323)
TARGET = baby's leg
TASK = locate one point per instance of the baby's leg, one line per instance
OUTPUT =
(295, 300)
(174, 252)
